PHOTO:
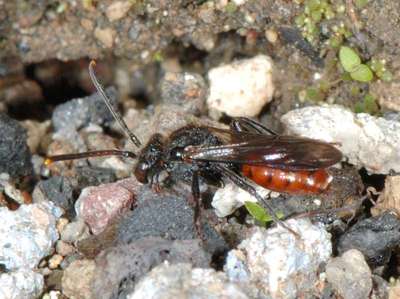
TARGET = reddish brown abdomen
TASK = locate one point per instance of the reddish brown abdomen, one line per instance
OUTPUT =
(294, 182)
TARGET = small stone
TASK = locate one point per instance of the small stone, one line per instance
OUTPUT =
(375, 237)
(231, 197)
(63, 248)
(182, 281)
(187, 90)
(75, 231)
(118, 10)
(389, 199)
(21, 284)
(350, 275)
(120, 267)
(53, 295)
(55, 261)
(241, 88)
(35, 131)
(99, 206)
(105, 36)
(94, 176)
(57, 189)
(394, 290)
(27, 235)
(77, 279)
(164, 215)
(11, 191)
(61, 223)
(277, 264)
(13, 143)
(367, 141)
(78, 113)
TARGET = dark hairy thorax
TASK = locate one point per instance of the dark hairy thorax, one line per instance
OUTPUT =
(190, 136)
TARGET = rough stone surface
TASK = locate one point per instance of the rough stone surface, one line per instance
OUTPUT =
(74, 231)
(350, 275)
(14, 152)
(241, 88)
(78, 113)
(367, 141)
(77, 280)
(230, 197)
(21, 284)
(27, 234)
(375, 237)
(57, 189)
(185, 89)
(94, 176)
(98, 206)
(182, 281)
(389, 199)
(119, 268)
(277, 263)
(164, 215)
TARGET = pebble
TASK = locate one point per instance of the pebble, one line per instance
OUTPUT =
(74, 231)
(57, 189)
(10, 190)
(61, 223)
(78, 113)
(350, 275)
(118, 10)
(55, 261)
(274, 263)
(183, 281)
(241, 88)
(35, 133)
(389, 199)
(120, 267)
(375, 237)
(27, 235)
(63, 248)
(165, 215)
(105, 36)
(367, 141)
(99, 206)
(94, 176)
(77, 280)
(53, 295)
(13, 143)
(21, 284)
(231, 197)
(187, 90)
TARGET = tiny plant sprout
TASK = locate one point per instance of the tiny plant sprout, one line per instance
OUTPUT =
(259, 213)
(351, 63)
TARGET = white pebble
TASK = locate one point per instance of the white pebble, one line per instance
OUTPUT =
(27, 234)
(182, 281)
(367, 141)
(21, 284)
(229, 198)
(278, 264)
(241, 88)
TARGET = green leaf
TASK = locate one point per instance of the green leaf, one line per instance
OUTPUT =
(349, 59)
(259, 213)
(362, 73)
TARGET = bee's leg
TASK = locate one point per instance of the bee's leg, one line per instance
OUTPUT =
(198, 206)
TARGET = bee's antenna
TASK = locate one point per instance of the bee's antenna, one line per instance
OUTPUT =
(107, 101)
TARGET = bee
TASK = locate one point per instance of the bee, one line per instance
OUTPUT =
(247, 151)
